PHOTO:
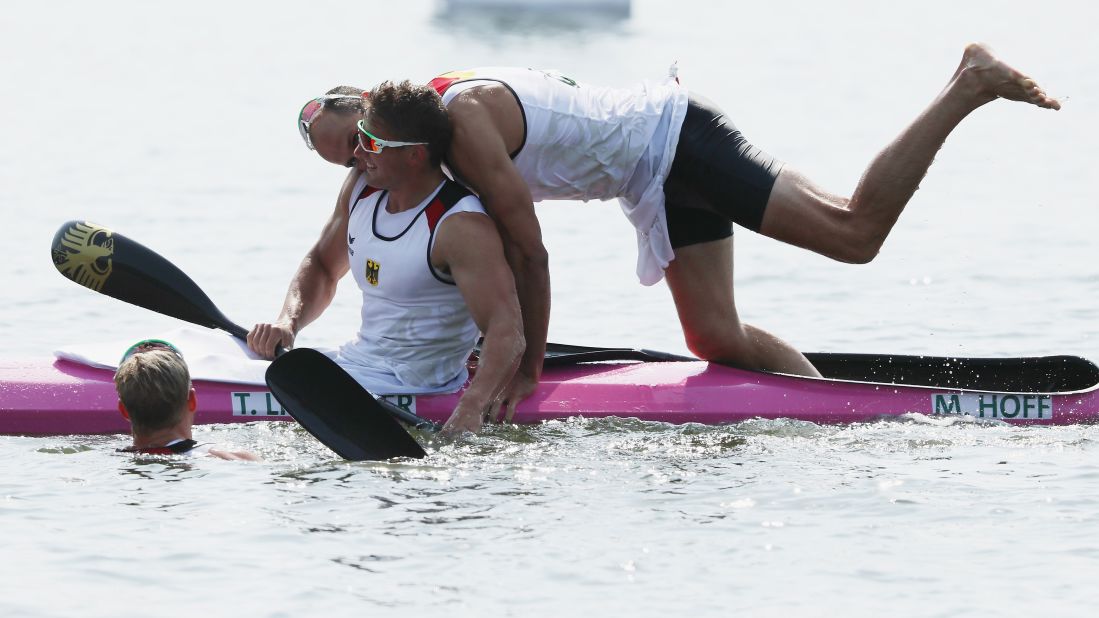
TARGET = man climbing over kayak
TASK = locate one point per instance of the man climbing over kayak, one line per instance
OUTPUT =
(426, 256)
(683, 173)
(155, 395)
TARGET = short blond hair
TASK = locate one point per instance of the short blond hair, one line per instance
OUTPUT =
(154, 386)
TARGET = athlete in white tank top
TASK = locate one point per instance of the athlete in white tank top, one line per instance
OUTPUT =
(416, 333)
(587, 142)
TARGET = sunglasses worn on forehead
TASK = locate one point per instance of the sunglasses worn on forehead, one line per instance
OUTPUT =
(309, 113)
(372, 143)
(146, 345)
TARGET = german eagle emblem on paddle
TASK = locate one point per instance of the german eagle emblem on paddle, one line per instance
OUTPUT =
(83, 253)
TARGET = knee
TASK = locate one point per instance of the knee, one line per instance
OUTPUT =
(717, 344)
(828, 225)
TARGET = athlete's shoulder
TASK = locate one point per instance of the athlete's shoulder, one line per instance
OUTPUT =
(480, 99)
(483, 119)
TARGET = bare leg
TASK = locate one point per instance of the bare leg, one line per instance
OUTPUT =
(853, 230)
(701, 280)
(848, 229)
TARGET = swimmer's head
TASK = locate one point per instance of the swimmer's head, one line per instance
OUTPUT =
(154, 388)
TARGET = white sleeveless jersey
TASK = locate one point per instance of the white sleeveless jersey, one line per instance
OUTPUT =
(584, 143)
(416, 332)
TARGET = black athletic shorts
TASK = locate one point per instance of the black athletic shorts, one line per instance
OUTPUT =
(717, 178)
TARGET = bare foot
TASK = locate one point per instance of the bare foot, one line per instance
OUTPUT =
(993, 78)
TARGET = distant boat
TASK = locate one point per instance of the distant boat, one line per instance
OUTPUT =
(610, 6)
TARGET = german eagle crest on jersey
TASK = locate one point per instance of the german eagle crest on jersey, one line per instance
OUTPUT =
(372, 269)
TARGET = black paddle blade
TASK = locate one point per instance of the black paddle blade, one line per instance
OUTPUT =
(109, 263)
(336, 409)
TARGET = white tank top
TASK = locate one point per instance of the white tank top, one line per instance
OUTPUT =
(416, 332)
(583, 142)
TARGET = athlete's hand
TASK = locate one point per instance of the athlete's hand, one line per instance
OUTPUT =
(264, 338)
(464, 419)
(520, 387)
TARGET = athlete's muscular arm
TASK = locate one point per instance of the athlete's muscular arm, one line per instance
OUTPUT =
(314, 284)
(468, 246)
(479, 156)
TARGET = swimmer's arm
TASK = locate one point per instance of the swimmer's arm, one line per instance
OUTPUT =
(480, 158)
(468, 246)
(314, 284)
(233, 455)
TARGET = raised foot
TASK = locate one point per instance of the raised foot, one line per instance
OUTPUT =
(994, 78)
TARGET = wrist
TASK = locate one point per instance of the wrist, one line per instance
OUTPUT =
(288, 324)
(531, 366)
(471, 404)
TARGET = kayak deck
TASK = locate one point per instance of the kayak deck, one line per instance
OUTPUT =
(1038, 374)
(57, 397)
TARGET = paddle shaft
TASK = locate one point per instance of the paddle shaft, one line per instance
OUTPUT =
(405, 416)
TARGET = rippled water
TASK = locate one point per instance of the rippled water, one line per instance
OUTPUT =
(173, 124)
(611, 517)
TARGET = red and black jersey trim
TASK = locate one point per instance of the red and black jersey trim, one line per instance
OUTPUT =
(445, 199)
(178, 448)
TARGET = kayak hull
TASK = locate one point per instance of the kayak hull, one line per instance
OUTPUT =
(58, 397)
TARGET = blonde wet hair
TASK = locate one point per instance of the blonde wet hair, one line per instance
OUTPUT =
(154, 385)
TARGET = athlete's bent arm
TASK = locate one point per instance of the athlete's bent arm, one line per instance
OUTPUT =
(468, 246)
(314, 284)
(479, 156)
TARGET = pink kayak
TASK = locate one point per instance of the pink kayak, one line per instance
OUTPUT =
(55, 397)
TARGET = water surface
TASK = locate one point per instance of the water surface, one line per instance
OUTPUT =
(174, 124)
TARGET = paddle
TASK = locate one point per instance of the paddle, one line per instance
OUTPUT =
(336, 409)
(112, 264)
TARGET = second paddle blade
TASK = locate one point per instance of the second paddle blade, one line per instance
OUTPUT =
(336, 409)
